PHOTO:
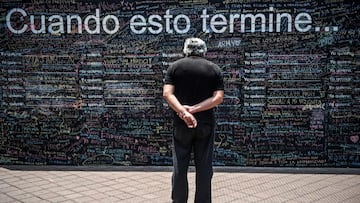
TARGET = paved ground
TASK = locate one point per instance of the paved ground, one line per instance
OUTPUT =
(149, 184)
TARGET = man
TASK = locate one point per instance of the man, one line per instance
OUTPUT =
(193, 87)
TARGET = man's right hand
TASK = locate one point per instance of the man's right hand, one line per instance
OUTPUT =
(189, 119)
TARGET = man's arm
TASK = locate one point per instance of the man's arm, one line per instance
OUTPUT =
(168, 94)
(216, 99)
(184, 114)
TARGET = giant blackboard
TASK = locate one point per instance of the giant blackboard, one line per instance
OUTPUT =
(81, 81)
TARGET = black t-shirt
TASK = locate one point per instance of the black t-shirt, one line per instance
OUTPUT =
(195, 79)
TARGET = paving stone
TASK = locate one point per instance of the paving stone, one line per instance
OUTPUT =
(6, 199)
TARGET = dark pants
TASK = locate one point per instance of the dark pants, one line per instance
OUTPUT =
(201, 141)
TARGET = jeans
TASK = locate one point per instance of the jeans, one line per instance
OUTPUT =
(201, 141)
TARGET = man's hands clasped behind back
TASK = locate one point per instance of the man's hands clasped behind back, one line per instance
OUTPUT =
(188, 118)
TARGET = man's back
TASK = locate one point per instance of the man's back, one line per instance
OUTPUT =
(195, 79)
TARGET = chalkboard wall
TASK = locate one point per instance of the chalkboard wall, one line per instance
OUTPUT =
(81, 81)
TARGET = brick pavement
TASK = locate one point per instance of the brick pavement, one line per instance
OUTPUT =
(149, 184)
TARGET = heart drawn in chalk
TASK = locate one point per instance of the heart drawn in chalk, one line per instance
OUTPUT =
(354, 138)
